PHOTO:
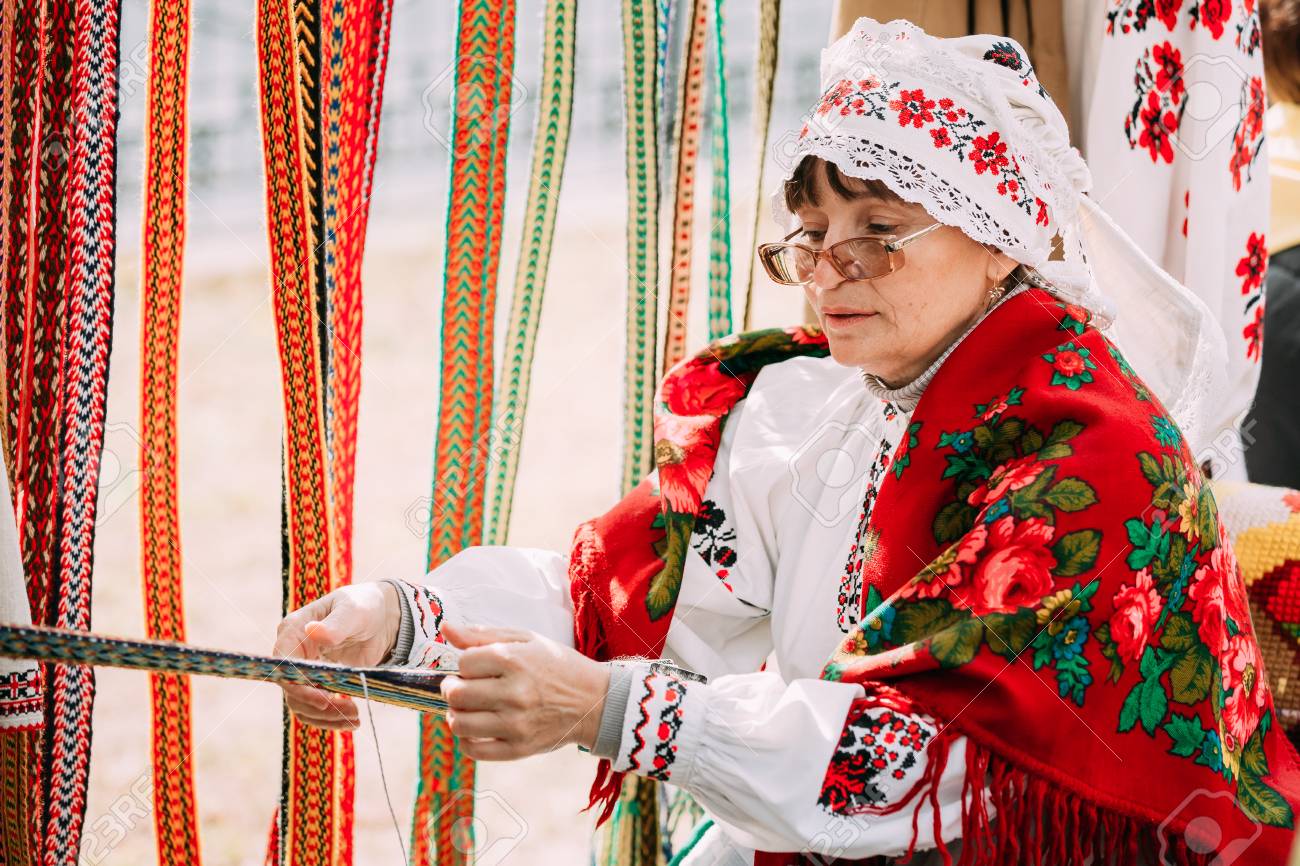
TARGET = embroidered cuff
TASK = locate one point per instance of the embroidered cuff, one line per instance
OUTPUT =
(658, 739)
(428, 648)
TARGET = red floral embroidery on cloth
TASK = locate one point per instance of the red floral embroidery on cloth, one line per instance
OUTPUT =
(1160, 82)
(1136, 14)
(951, 127)
(1158, 109)
(848, 600)
(428, 611)
(1248, 135)
(1252, 268)
(1216, 16)
(879, 751)
(1213, 15)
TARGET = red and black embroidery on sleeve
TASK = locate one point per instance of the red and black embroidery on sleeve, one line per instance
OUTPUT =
(713, 539)
(879, 751)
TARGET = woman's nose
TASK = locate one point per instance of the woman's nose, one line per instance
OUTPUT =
(824, 274)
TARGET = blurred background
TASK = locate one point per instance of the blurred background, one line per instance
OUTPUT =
(230, 401)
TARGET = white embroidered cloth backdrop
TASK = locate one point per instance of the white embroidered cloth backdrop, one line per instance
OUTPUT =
(1168, 109)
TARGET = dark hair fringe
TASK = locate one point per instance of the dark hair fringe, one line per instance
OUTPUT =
(801, 188)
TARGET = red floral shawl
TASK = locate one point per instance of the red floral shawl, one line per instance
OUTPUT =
(1049, 579)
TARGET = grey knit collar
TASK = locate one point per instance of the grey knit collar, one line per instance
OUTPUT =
(905, 397)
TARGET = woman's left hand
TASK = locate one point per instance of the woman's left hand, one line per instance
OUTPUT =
(519, 694)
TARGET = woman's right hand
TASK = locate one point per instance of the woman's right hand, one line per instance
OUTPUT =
(353, 625)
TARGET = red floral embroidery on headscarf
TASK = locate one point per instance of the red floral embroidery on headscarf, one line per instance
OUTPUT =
(990, 153)
(913, 107)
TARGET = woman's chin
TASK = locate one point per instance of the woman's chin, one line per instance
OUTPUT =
(853, 353)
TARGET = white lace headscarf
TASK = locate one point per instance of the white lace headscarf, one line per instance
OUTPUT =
(962, 127)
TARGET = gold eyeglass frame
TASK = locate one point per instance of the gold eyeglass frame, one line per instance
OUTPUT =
(893, 253)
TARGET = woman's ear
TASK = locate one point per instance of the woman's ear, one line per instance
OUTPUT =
(999, 264)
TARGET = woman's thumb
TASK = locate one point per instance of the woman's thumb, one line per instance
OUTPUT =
(336, 628)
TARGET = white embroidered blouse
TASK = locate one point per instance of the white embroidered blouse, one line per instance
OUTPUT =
(777, 757)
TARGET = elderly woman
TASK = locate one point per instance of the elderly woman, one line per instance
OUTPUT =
(940, 575)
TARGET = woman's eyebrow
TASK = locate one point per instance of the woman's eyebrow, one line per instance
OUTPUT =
(872, 202)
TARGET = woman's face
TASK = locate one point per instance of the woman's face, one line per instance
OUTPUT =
(896, 325)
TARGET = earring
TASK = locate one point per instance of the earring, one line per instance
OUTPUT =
(995, 294)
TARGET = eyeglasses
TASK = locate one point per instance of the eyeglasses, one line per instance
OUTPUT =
(853, 259)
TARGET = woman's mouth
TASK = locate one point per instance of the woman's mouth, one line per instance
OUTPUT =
(845, 320)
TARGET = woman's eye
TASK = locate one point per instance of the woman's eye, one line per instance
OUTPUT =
(881, 228)
(814, 236)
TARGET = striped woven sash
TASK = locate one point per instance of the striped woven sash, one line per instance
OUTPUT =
(166, 139)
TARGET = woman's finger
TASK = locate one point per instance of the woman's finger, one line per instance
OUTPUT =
(291, 639)
(466, 636)
(478, 694)
(305, 696)
(490, 750)
(482, 724)
(333, 722)
(317, 700)
(340, 626)
(492, 660)
(317, 713)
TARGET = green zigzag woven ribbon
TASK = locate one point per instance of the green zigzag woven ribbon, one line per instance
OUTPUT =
(550, 146)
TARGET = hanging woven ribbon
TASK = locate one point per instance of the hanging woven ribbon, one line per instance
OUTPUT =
(88, 296)
(323, 66)
(166, 142)
(769, 25)
(550, 146)
(307, 820)
(641, 66)
(480, 126)
(354, 59)
(29, 327)
(646, 31)
(690, 113)
(59, 254)
(720, 200)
